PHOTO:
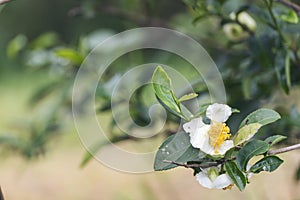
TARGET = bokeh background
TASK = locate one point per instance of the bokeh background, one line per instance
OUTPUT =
(42, 44)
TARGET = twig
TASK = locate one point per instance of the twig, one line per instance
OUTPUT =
(1, 195)
(283, 150)
(4, 1)
(291, 5)
(276, 26)
(206, 165)
(214, 164)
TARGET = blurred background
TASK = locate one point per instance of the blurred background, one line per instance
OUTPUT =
(42, 45)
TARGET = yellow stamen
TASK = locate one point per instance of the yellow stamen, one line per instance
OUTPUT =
(218, 133)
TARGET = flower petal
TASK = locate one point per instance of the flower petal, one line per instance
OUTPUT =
(200, 139)
(218, 112)
(222, 181)
(204, 180)
(193, 125)
(228, 144)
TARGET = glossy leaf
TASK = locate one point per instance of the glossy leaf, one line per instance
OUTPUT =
(164, 92)
(262, 116)
(251, 149)
(236, 175)
(245, 133)
(268, 163)
(275, 139)
(176, 148)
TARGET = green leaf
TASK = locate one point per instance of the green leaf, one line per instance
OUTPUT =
(93, 150)
(98, 145)
(268, 163)
(282, 69)
(251, 149)
(176, 148)
(187, 97)
(163, 91)
(245, 133)
(236, 175)
(202, 109)
(274, 139)
(43, 92)
(45, 40)
(16, 45)
(70, 54)
(290, 17)
(234, 110)
(262, 116)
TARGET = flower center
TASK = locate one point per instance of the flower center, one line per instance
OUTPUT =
(218, 133)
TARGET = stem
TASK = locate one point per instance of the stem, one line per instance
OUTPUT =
(283, 150)
(269, 4)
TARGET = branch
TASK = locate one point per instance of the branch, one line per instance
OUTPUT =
(3, 2)
(214, 164)
(291, 5)
(1, 195)
(283, 150)
(206, 165)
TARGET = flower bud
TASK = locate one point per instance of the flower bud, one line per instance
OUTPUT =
(234, 31)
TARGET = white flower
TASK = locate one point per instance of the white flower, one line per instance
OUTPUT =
(213, 138)
(247, 20)
(234, 31)
(210, 178)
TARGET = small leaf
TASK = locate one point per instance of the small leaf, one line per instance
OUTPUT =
(282, 69)
(70, 54)
(187, 97)
(202, 109)
(251, 149)
(175, 148)
(163, 91)
(262, 116)
(290, 17)
(274, 139)
(236, 175)
(268, 163)
(245, 133)
(93, 150)
(97, 147)
(16, 45)
(45, 40)
(234, 110)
